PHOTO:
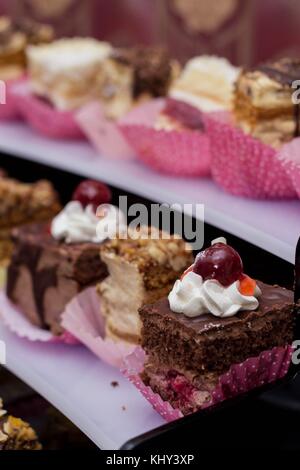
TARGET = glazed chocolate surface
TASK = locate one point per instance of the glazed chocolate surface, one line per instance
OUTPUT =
(273, 298)
(284, 71)
(208, 344)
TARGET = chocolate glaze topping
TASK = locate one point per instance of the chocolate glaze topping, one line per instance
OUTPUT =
(285, 72)
(273, 297)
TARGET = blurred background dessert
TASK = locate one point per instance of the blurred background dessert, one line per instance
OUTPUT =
(66, 72)
(134, 75)
(15, 35)
(206, 82)
(263, 105)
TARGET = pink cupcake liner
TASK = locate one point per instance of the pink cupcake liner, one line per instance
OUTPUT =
(82, 318)
(43, 117)
(9, 109)
(289, 155)
(255, 372)
(103, 133)
(180, 153)
(13, 319)
(244, 166)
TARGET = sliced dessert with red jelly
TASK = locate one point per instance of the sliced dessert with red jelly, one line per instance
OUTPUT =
(214, 317)
(52, 263)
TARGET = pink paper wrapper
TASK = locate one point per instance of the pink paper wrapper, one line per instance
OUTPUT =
(9, 109)
(18, 324)
(103, 133)
(254, 372)
(83, 319)
(244, 166)
(43, 117)
(290, 158)
(180, 153)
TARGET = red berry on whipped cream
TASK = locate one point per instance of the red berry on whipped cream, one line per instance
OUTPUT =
(92, 192)
(214, 284)
(220, 262)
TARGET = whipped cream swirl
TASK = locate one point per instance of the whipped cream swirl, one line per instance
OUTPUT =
(193, 297)
(76, 224)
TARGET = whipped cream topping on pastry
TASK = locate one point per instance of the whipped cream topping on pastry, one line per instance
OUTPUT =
(206, 82)
(67, 72)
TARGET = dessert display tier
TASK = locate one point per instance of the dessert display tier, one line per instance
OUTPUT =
(94, 396)
(271, 225)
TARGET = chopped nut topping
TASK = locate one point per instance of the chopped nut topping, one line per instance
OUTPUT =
(21, 202)
(148, 247)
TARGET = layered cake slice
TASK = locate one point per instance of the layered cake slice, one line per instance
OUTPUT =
(135, 74)
(263, 104)
(141, 270)
(22, 203)
(67, 72)
(214, 317)
(51, 263)
(16, 434)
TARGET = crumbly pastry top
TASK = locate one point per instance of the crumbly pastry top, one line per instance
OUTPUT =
(26, 198)
(22, 32)
(10, 40)
(17, 430)
(35, 32)
(146, 247)
(63, 54)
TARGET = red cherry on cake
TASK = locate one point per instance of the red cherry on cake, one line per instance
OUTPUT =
(92, 192)
(220, 262)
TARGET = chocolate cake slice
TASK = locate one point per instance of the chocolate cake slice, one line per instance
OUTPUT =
(46, 273)
(214, 317)
(189, 354)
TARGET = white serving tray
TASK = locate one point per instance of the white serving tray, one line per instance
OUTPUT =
(71, 378)
(271, 225)
(79, 385)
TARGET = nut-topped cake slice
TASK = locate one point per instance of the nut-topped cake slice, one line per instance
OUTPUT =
(141, 270)
(22, 203)
(215, 316)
